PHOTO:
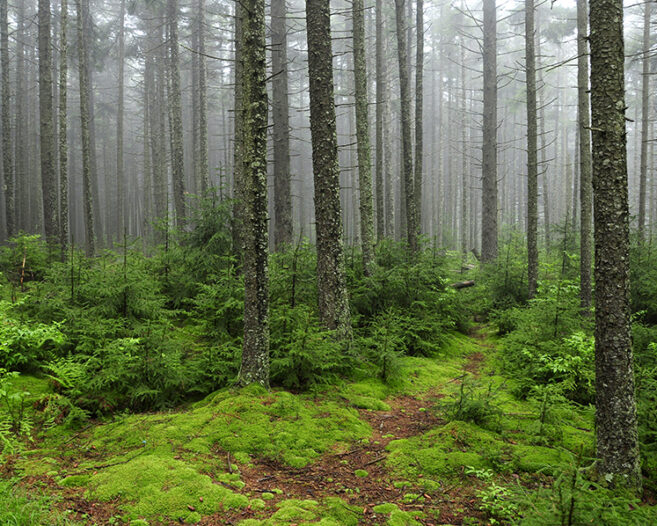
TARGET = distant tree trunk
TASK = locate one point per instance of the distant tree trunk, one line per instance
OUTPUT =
(419, 108)
(407, 149)
(645, 118)
(63, 130)
(237, 131)
(586, 199)
(204, 171)
(616, 421)
(544, 162)
(332, 287)
(120, 167)
(47, 130)
(7, 159)
(489, 154)
(532, 150)
(363, 137)
(281, 132)
(380, 106)
(177, 155)
(20, 144)
(90, 247)
(464, 162)
(255, 350)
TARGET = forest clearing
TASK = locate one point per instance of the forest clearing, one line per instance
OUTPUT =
(334, 262)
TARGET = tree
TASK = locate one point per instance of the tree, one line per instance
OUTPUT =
(204, 172)
(489, 153)
(90, 246)
(120, 168)
(419, 105)
(407, 150)
(532, 150)
(177, 155)
(381, 94)
(63, 129)
(586, 199)
(7, 159)
(255, 349)
(645, 118)
(363, 138)
(281, 131)
(616, 421)
(331, 281)
(47, 130)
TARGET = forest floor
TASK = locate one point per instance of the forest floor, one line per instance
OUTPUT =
(428, 450)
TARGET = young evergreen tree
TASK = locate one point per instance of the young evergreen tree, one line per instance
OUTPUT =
(616, 420)
(255, 349)
(331, 280)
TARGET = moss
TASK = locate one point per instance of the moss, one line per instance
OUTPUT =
(396, 516)
(293, 510)
(361, 473)
(37, 466)
(157, 487)
(75, 481)
(385, 509)
(257, 504)
(547, 460)
(367, 402)
(267, 496)
(138, 522)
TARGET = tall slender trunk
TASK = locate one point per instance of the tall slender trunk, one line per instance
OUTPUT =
(281, 132)
(90, 247)
(20, 143)
(332, 287)
(419, 108)
(489, 154)
(586, 198)
(464, 162)
(7, 158)
(407, 149)
(532, 150)
(120, 167)
(237, 132)
(616, 420)
(63, 130)
(380, 106)
(645, 118)
(363, 138)
(203, 167)
(177, 155)
(47, 129)
(255, 349)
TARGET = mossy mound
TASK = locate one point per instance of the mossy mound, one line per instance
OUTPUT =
(293, 429)
(332, 512)
(397, 517)
(157, 487)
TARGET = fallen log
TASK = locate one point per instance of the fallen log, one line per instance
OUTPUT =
(463, 284)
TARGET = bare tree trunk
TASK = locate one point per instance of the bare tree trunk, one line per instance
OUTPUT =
(7, 159)
(489, 154)
(586, 198)
(363, 138)
(616, 421)
(532, 150)
(281, 117)
(407, 149)
(332, 288)
(203, 167)
(381, 88)
(237, 132)
(120, 167)
(645, 118)
(419, 108)
(90, 246)
(63, 130)
(255, 349)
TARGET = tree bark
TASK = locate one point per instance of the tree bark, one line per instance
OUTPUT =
(532, 150)
(203, 167)
(363, 138)
(7, 159)
(419, 109)
(380, 106)
(120, 167)
(407, 149)
(63, 130)
(332, 288)
(586, 198)
(489, 153)
(616, 421)
(645, 118)
(281, 118)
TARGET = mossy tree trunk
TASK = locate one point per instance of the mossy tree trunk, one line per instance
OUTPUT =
(363, 138)
(616, 421)
(532, 150)
(255, 350)
(63, 130)
(332, 287)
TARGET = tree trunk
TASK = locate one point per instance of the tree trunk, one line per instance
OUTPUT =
(407, 149)
(237, 131)
(381, 94)
(616, 421)
(90, 247)
(7, 159)
(255, 349)
(120, 167)
(489, 153)
(175, 104)
(586, 198)
(281, 117)
(203, 167)
(532, 150)
(645, 118)
(46, 119)
(363, 138)
(63, 130)
(332, 288)
(419, 108)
